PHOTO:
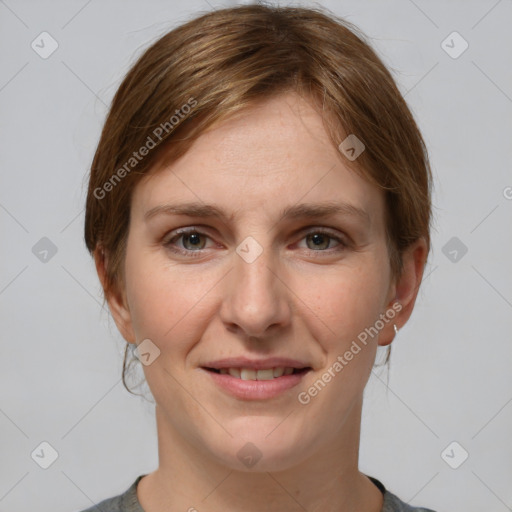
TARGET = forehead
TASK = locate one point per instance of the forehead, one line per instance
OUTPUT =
(268, 157)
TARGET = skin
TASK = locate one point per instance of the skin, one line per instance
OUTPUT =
(295, 300)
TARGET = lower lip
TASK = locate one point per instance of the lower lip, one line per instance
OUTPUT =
(256, 389)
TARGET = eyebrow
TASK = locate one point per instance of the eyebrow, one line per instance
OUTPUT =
(299, 211)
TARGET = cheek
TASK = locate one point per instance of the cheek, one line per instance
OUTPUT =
(344, 305)
(163, 298)
(344, 302)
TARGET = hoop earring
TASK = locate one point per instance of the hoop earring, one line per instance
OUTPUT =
(396, 329)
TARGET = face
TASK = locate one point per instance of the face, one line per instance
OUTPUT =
(266, 285)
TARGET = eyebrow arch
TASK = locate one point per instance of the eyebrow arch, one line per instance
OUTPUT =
(300, 211)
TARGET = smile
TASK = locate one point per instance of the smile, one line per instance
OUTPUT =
(252, 374)
(252, 384)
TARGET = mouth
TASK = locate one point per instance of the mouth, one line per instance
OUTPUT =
(248, 384)
(261, 374)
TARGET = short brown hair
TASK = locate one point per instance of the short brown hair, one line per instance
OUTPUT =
(225, 60)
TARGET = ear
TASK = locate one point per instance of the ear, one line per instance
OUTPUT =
(116, 299)
(405, 289)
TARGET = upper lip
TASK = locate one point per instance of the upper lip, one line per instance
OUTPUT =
(256, 364)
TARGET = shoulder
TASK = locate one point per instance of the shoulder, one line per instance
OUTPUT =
(109, 505)
(125, 502)
(392, 503)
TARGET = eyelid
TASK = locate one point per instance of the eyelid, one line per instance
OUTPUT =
(177, 233)
(320, 227)
(342, 236)
(343, 241)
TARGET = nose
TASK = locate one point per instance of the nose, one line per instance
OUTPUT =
(256, 299)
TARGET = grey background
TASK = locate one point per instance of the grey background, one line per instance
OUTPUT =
(60, 369)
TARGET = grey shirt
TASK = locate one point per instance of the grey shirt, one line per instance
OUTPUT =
(128, 502)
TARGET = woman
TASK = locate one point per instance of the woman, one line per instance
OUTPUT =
(259, 212)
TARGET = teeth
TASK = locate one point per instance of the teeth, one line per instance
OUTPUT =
(251, 374)
(234, 372)
(265, 374)
(247, 374)
(278, 372)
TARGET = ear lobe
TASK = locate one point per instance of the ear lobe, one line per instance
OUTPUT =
(407, 287)
(116, 300)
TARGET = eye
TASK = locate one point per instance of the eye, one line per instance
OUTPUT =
(319, 240)
(191, 241)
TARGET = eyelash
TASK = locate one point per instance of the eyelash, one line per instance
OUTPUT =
(198, 253)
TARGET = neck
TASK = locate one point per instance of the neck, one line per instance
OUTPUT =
(189, 479)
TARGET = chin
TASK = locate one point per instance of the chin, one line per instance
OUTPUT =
(260, 449)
